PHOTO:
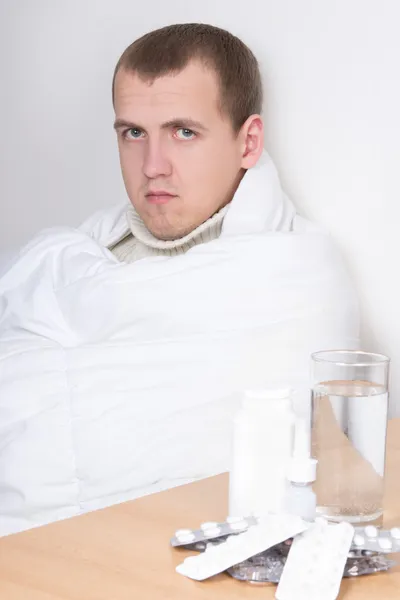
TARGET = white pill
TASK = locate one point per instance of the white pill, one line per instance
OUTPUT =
(358, 540)
(239, 525)
(186, 538)
(371, 531)
(234, 519)
(183, 532)
(209, 525)
(385, 543)
(212, 532)
(395, 533)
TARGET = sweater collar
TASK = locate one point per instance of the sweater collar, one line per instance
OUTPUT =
(143, 235)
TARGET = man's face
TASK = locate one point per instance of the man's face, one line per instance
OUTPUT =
(180, 158)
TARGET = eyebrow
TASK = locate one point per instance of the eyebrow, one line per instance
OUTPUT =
(178, 122)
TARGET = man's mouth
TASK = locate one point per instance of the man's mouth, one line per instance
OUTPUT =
(159, 197)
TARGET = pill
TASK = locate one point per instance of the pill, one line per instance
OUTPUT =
(210, 525)
(186, 538)
(395, 533)
(371, 531)
(183, 532)
(358, 540)
(239, 525)
(385, 543)
(213, 531)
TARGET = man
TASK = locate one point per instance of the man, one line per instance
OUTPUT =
(125, 345)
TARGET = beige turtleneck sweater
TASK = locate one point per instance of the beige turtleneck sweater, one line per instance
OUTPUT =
(140, 243)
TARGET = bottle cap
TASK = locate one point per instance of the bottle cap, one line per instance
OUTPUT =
(303, 471)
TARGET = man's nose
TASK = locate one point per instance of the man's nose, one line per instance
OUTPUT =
(156, 162)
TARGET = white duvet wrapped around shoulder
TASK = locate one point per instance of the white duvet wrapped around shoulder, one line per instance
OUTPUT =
(121, 379)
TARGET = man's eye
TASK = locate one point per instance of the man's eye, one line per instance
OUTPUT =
(185, 134)
(133, 134)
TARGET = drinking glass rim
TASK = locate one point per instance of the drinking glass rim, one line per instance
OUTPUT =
(377, 358)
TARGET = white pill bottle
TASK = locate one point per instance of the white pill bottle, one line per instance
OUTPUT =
(262, 446)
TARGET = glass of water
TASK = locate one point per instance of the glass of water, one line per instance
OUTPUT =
(349, 423)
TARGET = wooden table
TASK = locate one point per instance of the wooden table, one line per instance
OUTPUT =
(123, 552)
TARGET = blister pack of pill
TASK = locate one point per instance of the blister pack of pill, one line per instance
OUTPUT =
(268, 566)
(365, 538)
(316, 562)
(376, 540)
(212, 530)
(235, 549)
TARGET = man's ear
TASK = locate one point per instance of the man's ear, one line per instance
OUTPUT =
(252, 134)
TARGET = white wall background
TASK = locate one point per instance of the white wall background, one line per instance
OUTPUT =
(332, 73)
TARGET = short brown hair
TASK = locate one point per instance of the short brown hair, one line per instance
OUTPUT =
(170, 49)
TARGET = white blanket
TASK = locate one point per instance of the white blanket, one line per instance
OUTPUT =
(121, 379)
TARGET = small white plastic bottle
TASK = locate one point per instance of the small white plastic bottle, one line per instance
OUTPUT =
(302, 474)
(261, 453)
